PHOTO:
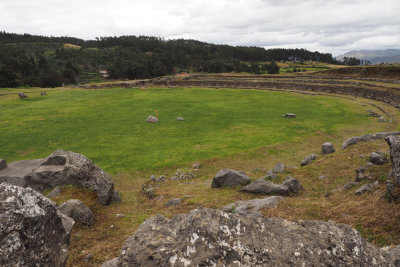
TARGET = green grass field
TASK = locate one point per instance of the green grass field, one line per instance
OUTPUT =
(109, 126)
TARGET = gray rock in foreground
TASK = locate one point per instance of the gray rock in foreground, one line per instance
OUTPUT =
(307, 160)
(60, 168)
(78, 211)
(252, 206)
(229, 178)
(327, 148)
(367, 138)
(32, 232)
(206, 237)
(151, 119)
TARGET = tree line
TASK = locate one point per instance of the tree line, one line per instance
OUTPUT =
(45, 61)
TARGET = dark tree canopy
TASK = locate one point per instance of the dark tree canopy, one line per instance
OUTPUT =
(35, 60)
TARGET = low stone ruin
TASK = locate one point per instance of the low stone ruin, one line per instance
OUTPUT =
(367, 138)
(60, 168)
(206, 237)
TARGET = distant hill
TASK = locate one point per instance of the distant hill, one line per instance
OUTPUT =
(374, 56)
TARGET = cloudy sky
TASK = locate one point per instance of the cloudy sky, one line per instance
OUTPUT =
(333, 26)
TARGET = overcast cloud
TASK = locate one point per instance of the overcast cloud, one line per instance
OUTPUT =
(334, 26)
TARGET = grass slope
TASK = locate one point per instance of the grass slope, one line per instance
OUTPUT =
(109, 127)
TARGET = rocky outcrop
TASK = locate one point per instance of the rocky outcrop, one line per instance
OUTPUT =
(293, 185)
(307, 160)
(327, 148)
(367, 138)
(206, 237)
(60, 168)
(32, 232)
(229, 178)
(252, 206)
(393, 188)
(78, 211)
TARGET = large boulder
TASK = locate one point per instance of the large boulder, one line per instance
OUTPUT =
(32, 231)
(252, 206)
(60, 168)
(206, 237)
(393, 188)
(78, 211)
(229, 178)
(263, 187)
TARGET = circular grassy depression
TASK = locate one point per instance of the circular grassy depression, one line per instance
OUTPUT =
(109, 126)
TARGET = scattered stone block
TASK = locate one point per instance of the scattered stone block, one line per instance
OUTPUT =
(279, 168)
(78, 211)
(327, 148)
(229, 178)
(252, 206)
(307, 160)
(151, 119)
(377, 158)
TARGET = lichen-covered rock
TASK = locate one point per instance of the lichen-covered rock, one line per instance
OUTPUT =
(307, 160)
(263, 187)
(60, 168)
(229, 178)
(252, 206)
(32, 232)
(78, 211)
(206, 237)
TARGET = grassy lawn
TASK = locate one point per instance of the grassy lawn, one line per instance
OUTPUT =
(109, 126)
(225, 128)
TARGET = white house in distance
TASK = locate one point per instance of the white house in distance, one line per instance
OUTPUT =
(104, 73)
